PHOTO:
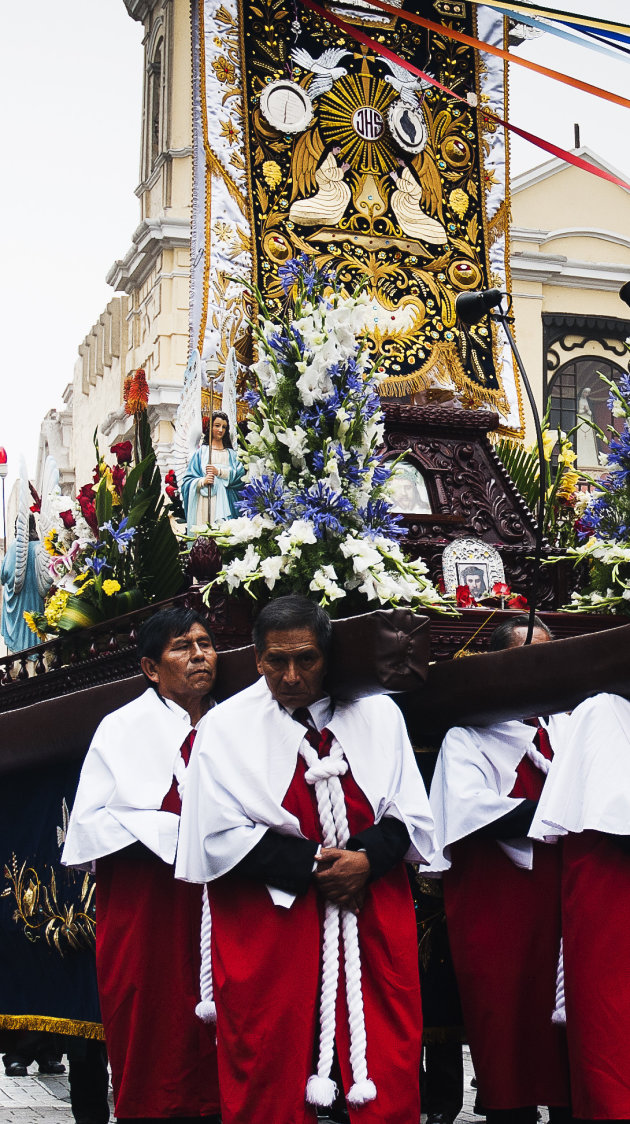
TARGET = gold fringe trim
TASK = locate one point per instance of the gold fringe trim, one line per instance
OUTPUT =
(442, 366)
(56, 1026)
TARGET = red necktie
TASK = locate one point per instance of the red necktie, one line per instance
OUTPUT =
(542, 743)
(320, 740)
(172, 802)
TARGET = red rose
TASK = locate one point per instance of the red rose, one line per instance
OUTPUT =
(518, 602)
(35, 508)
(67, 518)
(122, 451)
(119, 475)
(170, 491)
(85, 500)
(86, 493)
(501, 589)
(171, 478)
(464, 597)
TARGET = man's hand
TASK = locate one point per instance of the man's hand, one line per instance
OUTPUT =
(344, 876)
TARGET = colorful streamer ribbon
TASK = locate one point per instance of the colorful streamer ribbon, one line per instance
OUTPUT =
(384, 52)
(593, 41)
(572, 18)
(489, 48)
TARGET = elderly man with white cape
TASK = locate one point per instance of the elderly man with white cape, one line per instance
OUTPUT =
(300, 811)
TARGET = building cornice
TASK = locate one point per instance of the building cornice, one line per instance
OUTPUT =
(556, 269)
(139, 9)
(148, 240)
(162, 159)
(552, 167)
(543, 237)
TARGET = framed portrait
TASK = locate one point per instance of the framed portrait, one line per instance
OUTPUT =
(473, 563)
(407, 491)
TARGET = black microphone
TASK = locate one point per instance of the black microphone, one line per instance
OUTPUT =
(624, 293)
(472, 307)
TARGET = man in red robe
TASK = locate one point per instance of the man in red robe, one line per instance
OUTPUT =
(125, 821)
(586, 801)
(502, 901)
(300, 811)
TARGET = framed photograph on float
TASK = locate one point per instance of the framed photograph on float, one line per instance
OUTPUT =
(473, 563)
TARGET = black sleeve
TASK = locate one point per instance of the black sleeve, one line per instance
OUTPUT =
(283, 861)
(385, 844)
(622, 841)
(513, 825)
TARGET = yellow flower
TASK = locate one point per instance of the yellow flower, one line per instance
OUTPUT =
(34, 626)
(458, 202)
(272, 173)
(566, 455)
(55, 607)
(568, 484)
(50, 543)
(110, 587)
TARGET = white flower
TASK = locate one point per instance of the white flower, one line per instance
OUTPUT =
(324, 579)
(242, 568)
(363, 554)
(267, 373)
(244, 529)
(301, 531)
(271, 568)
(619, 409)
(296, 441)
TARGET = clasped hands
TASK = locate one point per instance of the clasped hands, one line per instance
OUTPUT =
(211, 472)
(342, 877)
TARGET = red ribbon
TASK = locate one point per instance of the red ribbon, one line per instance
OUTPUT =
(384, 52)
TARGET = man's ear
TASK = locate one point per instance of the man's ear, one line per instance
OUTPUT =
(150, 669)
(258, 663)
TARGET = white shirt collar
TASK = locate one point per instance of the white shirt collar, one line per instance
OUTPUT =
(320, 711)
(180, 712)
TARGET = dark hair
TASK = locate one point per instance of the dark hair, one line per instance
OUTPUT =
(502, 636)
(476, 570)
(155, 633)
(292, 611)
(227, 437)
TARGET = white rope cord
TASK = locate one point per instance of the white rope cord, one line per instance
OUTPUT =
(560, 1011)
(539, 760)
(206, 1010)
(325, 775)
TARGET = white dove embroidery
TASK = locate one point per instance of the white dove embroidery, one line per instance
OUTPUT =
(324, 68)
(404, 83)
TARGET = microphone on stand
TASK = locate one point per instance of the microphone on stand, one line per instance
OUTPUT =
(470, 309)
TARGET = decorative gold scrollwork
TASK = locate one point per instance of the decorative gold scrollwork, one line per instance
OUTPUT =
(65, 927)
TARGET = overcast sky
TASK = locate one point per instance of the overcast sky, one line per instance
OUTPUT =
(70, 97)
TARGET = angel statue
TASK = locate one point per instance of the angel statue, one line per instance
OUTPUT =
(25, 578)
(211, 474)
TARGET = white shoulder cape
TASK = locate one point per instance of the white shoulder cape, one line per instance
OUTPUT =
(588, 786)
(126, 774)
(243, 763)
(474, 775)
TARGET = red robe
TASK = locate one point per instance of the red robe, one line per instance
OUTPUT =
(266, 968)
(163, 1057)
(596, 924)
(504, 932)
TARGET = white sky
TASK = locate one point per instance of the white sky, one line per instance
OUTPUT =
(70, 98)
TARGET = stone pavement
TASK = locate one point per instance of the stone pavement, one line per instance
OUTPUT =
(35, 1099)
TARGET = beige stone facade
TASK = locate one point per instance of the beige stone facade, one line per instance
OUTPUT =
(570, 256)
(146, 322)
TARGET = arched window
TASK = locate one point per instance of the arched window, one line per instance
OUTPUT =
(578, 391)
(155, 103)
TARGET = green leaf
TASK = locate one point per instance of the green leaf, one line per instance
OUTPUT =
(103, 503)
(79, 613)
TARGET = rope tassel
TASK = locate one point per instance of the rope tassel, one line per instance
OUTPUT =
(324, 774)
(206, 1010)
(559, 1015)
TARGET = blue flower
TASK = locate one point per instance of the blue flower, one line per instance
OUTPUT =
(381, 474)
(252, 397)
(323, 507)
(97, 564)
(265, 496)
(297, 270)
(121, 536)
(378, 519)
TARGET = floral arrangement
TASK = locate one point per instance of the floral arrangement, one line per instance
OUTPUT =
(561, 481)
(500, 596)
(111, 549)
(603, 523)
(313, 509)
